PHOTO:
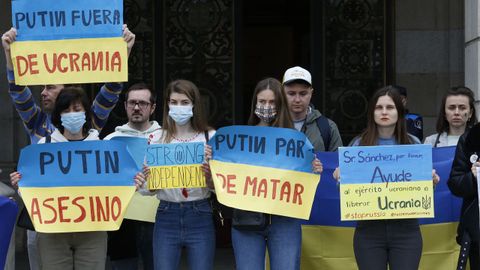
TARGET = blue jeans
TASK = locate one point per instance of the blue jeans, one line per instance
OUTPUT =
(283, 238)
(186, 225)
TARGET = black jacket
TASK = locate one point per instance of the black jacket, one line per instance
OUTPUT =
(463, 184)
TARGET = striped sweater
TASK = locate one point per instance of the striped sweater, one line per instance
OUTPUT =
(38, 123)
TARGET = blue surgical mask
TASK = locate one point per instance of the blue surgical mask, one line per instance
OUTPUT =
(180, 114)
(73, 121)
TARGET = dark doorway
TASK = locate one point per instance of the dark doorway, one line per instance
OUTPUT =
(274, 35)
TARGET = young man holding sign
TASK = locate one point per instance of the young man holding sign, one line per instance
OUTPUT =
(37, 119)
(140, 103)
(321, 131)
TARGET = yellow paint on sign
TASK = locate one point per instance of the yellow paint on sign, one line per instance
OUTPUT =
(70, 61)
(176, 176)
(77, 209)
(378, 201)
(267, 190)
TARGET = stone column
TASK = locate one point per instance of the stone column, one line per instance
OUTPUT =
(472, 45)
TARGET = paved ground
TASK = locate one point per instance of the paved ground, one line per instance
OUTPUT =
(224, 259)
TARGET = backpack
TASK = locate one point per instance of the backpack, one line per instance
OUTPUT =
(324, 127)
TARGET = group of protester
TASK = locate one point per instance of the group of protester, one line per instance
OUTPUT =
(184, 216)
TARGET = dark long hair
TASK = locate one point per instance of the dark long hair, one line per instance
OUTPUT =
(370, 134)
(199, 119)
(283, 118)
(65, 98)
(442, 123)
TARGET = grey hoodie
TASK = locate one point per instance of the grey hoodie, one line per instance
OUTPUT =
(151, 134)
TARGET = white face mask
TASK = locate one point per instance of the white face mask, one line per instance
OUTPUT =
(180, 114)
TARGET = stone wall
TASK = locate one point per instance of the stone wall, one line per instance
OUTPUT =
(429, 53)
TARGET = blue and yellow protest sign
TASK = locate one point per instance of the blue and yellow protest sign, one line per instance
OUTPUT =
(75, 42)
(264, 169)
(76, 186)
(142, 208)
(175, 165)
(137, 147)
(386, 182)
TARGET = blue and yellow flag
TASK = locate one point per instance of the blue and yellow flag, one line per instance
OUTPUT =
(327, 242)
(77, 186)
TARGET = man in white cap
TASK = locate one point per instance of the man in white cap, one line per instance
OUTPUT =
(322, 132)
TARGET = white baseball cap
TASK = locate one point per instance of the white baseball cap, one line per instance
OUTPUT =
(297, 73)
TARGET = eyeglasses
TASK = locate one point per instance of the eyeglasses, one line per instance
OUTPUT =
(141, 104)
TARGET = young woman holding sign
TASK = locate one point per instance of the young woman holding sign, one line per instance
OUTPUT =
(394, 242)
(254, 232)
(84, 250)
(184, 216)
(457, 114)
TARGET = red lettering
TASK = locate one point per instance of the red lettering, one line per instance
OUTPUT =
(73, 61)
(285, 191)
(35, 210)
(116, 61)
(262, 188)
(62, 208)
(100, 209)
(107, 55)
(97, 62)
(116, 205)
(92, 209)
(231, 186)
(86, 62)
(250, 182)
(54, 218)
(47, 66)
(32, 59)
(224, 180)
(82, 209)
(19, 60)
(274, 187)
(61, 68)
(299, 188)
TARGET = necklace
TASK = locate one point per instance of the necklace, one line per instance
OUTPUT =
(186, 140)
